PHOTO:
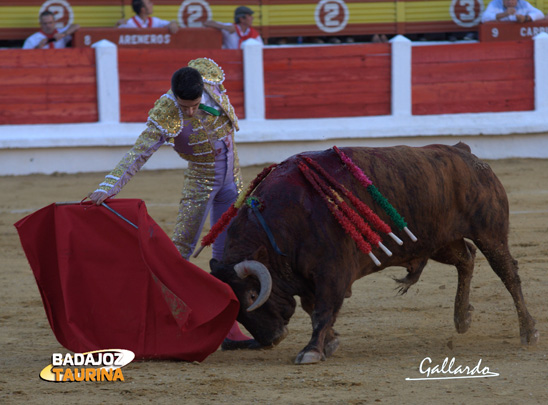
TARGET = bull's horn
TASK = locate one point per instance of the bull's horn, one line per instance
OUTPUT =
(259, 270)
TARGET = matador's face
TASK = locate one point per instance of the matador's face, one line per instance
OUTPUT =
(189, 107)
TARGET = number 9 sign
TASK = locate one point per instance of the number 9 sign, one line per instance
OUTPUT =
(466, 13)
(331, 15)
(193, 13)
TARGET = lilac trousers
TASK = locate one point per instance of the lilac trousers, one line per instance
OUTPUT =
(205, 193)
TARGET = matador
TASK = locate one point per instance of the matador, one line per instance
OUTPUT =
(203, 135)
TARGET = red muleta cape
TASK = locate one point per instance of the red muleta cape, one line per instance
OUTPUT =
(107, 285)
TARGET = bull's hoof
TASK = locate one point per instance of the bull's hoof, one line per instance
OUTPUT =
(530, 338)
(463, 324)
(331, 347)
(309, 357)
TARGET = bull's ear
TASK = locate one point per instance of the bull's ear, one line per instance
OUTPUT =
(260, 255)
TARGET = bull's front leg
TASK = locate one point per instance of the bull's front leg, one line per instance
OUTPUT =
(324, 341)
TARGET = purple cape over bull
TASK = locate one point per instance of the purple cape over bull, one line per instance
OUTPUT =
(446, 195)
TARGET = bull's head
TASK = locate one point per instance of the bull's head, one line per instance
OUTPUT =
(263, 312)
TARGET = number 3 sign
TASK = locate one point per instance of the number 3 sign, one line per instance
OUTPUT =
(466, 13)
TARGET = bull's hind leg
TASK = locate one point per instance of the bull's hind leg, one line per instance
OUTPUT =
(504, 265)
(460, 254)
(414, 271)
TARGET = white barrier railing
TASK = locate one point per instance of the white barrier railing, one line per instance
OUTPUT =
(253, 80)
(541, 72)
(108, 85)
(70, 148)
(401, 76)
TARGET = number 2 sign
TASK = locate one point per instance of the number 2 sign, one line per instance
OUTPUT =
(331, 15)
(62, 12)
(193, 13)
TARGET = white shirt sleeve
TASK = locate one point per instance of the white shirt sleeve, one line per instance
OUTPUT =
(159, 23)
(489, 14)
(128, 24)
(63, 42)
(532, 12)
(230, 39)
(33, 41)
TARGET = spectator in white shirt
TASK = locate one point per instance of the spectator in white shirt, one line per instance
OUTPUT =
(236, 33)
(50, 37)
(143, 18)
(511, 10)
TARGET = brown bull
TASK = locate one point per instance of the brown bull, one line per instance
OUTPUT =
(446, 195)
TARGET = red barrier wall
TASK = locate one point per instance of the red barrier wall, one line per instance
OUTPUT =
(327, 81)
(145, 74)
(473, 78)
(59, 86)
(48, 86)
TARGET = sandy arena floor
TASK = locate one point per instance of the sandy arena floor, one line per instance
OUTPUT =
(384, 337)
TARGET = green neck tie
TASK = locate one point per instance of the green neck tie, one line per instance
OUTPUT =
(210, 110)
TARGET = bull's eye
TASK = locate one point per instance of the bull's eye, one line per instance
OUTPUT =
(251, 297)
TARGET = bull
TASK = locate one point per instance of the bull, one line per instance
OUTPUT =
(448, 197)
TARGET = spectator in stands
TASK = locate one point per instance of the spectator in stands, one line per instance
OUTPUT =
(235, 34)
(143, 18)
(511, 10)
(379, 39)
(49, 36)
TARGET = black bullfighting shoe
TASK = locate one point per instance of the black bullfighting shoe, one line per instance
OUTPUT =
(250, 344)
